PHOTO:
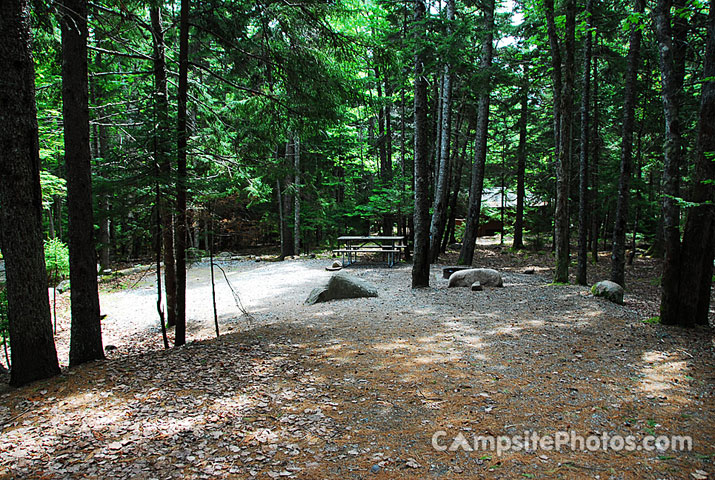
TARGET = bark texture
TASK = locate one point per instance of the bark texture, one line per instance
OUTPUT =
(671, 86)
(33, 353)
(296, 216)
(420, 265)
(86, 330)
(163, 158)
(595, 158)
(182, 137)
(563, 165)
(583, 196)
(699, 237)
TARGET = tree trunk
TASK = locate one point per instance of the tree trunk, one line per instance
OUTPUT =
(555, 71)
(287, 245)
(388, 220)
(182, 138)
(583, 200)
(281, 220)
(466, 254)
(699, 237)
(100, 151)
(157, 254)
(162, 157)
(521, 169)
(86, 330)
(296, 225)
(618, 254)
(104, 229)
(439, 214)
(596, 208)
(561, 215)
(420, 265)
(459, 159)
(33, 348)
(671, 85)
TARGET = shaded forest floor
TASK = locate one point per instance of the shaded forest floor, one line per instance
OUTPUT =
(357, 388)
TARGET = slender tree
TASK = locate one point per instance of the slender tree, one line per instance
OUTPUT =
(296, 225)
(86, 330)
(595, 159)
(162, 156)
(182, 137)
(466, 254)
(28, 308)
(439, 215)
(618, 256)
(518, 242)
(583, 197)
(459, 158)
(420, 265)
(556, 73)
(565, 114)
(286, 201)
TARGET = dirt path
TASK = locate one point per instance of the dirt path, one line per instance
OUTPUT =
(358, 388)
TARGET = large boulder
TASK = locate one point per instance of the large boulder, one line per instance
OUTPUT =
(608, 290)
(340, 286)
(448, 271)
(487, 277)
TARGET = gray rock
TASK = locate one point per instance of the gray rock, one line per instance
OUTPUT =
(63, 286)
(477, 287)
(224, 255)
(340, 286)
(337, 264)
(609, 290)
(529, 271)
(448, 271)
(375, 468)
(487, 277)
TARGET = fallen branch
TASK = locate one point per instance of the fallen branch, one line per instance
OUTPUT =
(236, 298)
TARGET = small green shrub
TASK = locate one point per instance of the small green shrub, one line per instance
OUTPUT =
(57, 260)
(459, 231)
(195, 254)
(652, 320)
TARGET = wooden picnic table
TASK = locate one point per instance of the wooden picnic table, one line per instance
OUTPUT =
(391, 246)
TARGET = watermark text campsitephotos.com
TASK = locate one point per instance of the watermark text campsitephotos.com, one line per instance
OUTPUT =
(532, 441)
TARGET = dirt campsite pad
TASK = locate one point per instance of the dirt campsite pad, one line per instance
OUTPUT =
(372, 387)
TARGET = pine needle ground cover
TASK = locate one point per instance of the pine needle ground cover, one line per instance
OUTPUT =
(358, 388)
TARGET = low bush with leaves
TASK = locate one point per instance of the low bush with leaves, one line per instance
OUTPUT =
(57, 260)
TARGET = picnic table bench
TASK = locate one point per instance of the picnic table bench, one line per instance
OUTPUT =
(392, 247)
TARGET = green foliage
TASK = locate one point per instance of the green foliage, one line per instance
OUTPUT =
(652, 320)
(57, 260)
(52, 187)
(459, 231)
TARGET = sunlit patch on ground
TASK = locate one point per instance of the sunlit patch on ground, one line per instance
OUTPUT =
(357, 388)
